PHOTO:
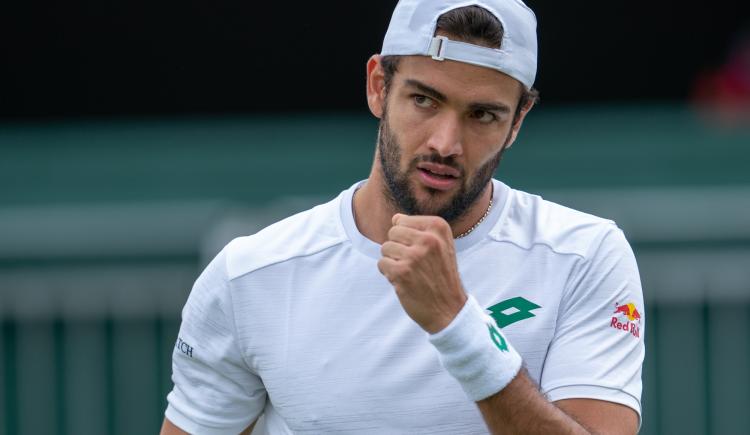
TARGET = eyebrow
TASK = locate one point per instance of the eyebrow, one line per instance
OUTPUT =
(430, 91)
(434, 93)
(490, 107)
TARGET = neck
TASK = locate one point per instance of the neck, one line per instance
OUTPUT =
(373, 210)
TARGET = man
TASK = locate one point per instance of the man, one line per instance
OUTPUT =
(429, 298)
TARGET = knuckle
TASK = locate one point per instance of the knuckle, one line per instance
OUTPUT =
(386, 271)
(403, 268)
(422, 250)
(431, 241)
(437, 223)
(432, 224)
(381, 266)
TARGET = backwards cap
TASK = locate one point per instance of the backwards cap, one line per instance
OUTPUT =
(412, 32)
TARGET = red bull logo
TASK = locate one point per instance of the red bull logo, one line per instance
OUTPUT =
(630, 312)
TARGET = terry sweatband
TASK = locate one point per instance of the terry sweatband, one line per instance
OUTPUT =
(476, 353)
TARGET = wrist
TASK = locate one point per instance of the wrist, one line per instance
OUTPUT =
(436, 326)
(476, 353)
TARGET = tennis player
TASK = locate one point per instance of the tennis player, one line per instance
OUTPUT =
(429, 298)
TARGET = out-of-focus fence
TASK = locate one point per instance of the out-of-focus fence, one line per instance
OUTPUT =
(104, 227)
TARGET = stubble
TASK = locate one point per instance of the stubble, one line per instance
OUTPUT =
(400, 193)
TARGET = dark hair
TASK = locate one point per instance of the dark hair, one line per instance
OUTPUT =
(471, 24)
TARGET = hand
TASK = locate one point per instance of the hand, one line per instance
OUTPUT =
(419, 260)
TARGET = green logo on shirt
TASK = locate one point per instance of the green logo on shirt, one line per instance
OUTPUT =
(512, 310)
(498, 338)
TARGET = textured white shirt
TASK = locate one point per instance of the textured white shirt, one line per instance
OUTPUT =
(296, 322)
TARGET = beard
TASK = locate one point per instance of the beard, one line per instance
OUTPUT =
(400, 192)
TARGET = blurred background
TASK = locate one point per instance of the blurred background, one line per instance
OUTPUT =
(136, 138)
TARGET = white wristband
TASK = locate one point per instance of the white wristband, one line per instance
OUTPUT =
(476, 353)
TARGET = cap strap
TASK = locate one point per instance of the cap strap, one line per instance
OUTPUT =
(442, 48)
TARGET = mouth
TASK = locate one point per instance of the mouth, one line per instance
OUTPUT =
(437, 176)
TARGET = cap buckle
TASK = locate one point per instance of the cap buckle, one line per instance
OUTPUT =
(437, 47)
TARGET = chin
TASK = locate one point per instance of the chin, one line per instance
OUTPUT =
(433, 202)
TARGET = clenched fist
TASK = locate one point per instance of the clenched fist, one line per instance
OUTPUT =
(419, 260)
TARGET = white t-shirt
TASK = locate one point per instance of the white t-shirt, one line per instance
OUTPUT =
(296, 322)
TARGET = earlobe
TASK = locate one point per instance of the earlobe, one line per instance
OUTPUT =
(375, 86)
(517, 125)
(514, 132)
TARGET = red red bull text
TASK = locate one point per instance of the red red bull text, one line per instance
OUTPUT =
(631, 313)
(630, 327)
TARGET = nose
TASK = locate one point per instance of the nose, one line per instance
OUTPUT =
(446, 136)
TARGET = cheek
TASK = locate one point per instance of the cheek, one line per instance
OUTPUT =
(408, 132)
(489, 136)
(481, 149)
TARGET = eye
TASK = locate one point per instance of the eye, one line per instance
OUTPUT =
(423, 101)
(484, 116)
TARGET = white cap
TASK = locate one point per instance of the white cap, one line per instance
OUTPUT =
(412, 32)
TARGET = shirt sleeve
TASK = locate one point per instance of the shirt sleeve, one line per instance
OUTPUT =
(598, 350)
(215, 392)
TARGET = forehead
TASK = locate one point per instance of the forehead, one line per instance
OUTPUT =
(459, 81)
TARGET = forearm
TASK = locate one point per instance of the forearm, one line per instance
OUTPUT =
(169, 428)
(520, 408)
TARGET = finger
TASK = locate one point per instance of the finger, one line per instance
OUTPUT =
(393, 250)
(387, 267)
(404, 235)
(417, 222)
(430, 224)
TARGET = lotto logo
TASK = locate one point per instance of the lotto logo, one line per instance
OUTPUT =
(498, 338)
(512, 310)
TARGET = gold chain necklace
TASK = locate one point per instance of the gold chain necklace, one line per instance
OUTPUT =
(474, 227)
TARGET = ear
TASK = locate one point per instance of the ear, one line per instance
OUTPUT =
(375, 86)
(517, 125)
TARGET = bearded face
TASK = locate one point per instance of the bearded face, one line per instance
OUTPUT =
(400, 184)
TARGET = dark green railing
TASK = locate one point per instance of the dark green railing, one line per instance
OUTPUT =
(112, 377)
